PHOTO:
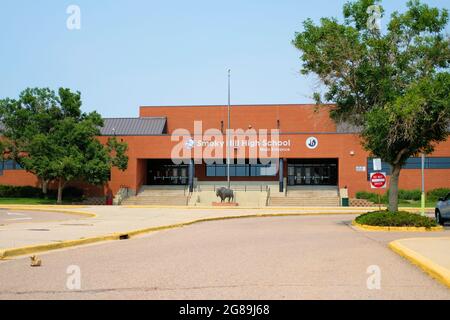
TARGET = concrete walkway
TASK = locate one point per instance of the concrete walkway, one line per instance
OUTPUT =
(430, 254)
(114, 219)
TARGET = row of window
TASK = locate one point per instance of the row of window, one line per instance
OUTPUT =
(9, 165)
(413, 163)
(241, 170)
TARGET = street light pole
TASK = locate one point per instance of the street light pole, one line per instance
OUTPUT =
(228, 130)
(423, 186)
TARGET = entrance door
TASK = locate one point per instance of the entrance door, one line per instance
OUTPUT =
(164, 172)
(313, 172)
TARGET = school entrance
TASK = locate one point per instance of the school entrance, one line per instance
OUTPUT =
(312, 172)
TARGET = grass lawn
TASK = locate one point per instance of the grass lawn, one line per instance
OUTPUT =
(417, 204)
(30, 201)
(412, 204)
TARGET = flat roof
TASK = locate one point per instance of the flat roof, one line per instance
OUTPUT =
(241, 105)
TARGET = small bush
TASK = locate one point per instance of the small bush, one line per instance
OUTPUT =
(414, 195)
(373, 197)
(435, 194)
(73, 193)
(68, 193)
(403, 195)
(19, 192)
(395, 219)
(7, 191)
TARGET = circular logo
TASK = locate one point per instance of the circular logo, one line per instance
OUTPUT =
(378, 180)
(190, 144)
(312, 142)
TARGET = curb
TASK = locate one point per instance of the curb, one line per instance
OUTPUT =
(366, 227)
(356, 209)
(244, 208)
(433, 269)
(14, 252)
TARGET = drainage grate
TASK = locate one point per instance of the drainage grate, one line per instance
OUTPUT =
(124, 237)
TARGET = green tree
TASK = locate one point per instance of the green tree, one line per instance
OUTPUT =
(51, 138)
(393, 82)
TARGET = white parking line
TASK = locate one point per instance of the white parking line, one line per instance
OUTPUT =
(16, 214)
(16, 219)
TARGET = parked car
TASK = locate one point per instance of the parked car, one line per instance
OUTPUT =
(442, 211)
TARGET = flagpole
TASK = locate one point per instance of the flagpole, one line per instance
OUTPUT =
(228, 131)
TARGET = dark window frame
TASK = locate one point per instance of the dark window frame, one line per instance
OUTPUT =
(413, 163)
(250, 170)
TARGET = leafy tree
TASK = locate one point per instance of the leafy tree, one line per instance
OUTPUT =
(50, 137)
(393, 83)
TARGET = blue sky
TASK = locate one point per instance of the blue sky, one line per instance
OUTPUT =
(136, 52)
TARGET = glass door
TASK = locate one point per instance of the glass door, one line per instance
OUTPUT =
(313, 172)
(164, 172)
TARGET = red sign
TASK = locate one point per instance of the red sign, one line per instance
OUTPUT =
(378, 180)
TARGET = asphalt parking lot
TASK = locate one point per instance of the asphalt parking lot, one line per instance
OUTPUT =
(311, 257)
(8, 216)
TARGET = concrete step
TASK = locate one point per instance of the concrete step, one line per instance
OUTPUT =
(168, 202)
(169, 187)
(312, 193)
(159, 195)
(303, 201)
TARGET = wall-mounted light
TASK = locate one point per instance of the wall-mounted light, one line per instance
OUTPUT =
(352, 153)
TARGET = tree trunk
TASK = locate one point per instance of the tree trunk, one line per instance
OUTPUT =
(60, 191)
(45, 187)
(393, 189)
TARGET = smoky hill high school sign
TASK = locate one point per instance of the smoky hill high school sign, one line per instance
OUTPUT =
(285, 145)
(263, 140)
(243, 145)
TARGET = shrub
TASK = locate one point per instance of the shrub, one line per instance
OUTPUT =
(69, 193)
(414, 195)
(371, 196)
(408, 195)
(7, 191)
(435, 194)
(19, 192)
(73, 193)
(395, 219)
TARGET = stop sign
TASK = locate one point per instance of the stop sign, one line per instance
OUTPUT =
(378, 180)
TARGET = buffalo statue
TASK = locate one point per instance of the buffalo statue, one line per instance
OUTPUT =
(224, 193)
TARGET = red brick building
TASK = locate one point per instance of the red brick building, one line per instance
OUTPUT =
(312, 151)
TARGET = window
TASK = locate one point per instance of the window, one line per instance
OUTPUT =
(9, 165)
(438, 163)
(242, 170)
(413, 163)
